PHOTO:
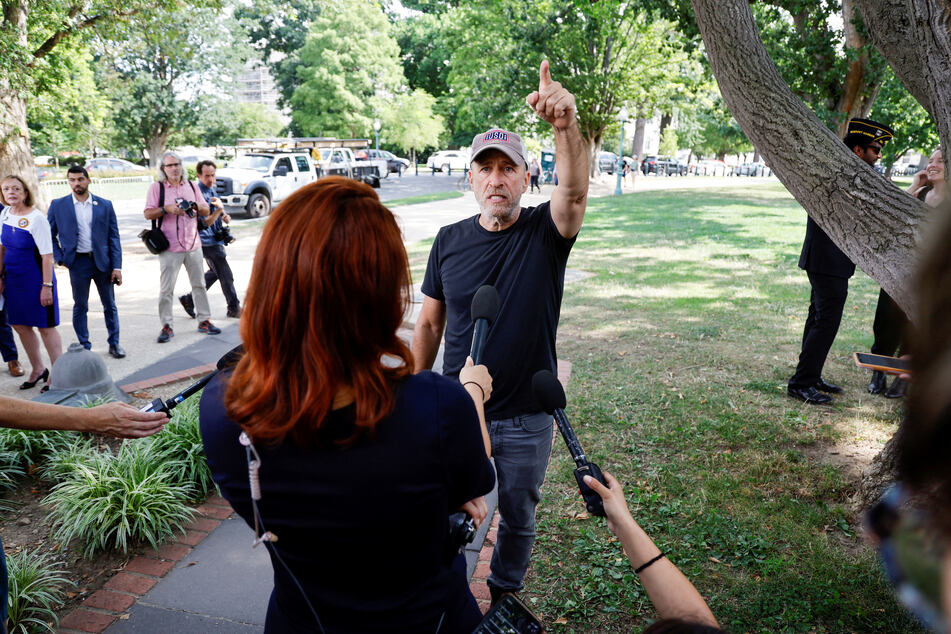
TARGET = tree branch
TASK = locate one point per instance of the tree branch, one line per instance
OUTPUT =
(89, 22)
(871, 220)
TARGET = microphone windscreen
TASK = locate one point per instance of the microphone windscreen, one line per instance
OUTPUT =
(485, 303)
(548, 391)
(231, 358)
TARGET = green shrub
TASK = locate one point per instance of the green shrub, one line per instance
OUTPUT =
(180, 441)
(37, 589)
(111, 501)
(60, 464)
(33, 446)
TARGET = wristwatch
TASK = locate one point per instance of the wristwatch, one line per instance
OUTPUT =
(48, 284)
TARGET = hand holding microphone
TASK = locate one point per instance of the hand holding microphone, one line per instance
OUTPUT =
(477, 375)
(551, 396)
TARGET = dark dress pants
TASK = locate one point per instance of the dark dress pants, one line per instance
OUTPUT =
(220, 271)
(825, 313)
(81, 273)
(889, 326)
(8, 347)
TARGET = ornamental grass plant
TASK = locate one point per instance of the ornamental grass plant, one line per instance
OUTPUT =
(181, 442)
(37, 588)
(111, 501)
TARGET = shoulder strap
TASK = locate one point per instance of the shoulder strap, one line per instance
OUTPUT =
(161, 194)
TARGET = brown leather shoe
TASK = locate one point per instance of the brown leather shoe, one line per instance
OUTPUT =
(15, 368)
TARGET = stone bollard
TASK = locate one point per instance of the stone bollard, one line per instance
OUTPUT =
(85, 372)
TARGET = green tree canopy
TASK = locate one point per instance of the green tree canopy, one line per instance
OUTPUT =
(349, 66)
(410, 122)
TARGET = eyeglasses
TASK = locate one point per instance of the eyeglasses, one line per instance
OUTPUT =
(875, 148)
(912, 554)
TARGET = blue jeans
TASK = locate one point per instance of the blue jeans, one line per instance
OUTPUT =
(4, 590)
(81, 273)
(521, 447)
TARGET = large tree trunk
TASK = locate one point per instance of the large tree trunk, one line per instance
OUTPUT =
(871, 220)
(637, 144)
(16, 157)
(157, 149)
(915, 37)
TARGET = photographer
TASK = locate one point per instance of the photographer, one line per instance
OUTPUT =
(215, 236)
(352, 450)
(176, 205)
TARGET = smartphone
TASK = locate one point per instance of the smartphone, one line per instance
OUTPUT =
(509, 616)
(888, 365)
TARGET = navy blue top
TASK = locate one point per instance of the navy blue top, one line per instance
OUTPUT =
(526, 265)
(363, 528)
(207, 233)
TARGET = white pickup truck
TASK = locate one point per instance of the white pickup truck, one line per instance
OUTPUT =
(254, 182)
(341, 161)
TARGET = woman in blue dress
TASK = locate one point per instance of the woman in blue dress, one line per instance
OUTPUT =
(26, 276)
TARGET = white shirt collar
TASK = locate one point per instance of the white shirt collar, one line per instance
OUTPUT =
(76, 201)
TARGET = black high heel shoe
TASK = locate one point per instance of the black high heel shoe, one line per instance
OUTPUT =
(45, 377)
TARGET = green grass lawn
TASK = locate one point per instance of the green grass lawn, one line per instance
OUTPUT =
(681, 344)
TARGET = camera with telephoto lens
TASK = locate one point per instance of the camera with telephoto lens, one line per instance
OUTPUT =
(224, 236)
(188, 207)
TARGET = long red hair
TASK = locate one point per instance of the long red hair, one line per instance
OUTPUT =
(328, 291)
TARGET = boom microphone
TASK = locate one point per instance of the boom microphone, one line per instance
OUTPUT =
(551, 396)
(485, 308)
(229, 359)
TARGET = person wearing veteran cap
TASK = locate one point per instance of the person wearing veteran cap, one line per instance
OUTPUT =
(829, 271)
(522, 252)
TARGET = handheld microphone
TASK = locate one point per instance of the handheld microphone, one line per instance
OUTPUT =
(229, 359)
(551, 396)
(485, 308)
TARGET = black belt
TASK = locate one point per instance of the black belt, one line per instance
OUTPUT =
(87, 254)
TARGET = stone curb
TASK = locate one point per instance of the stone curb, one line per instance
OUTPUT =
(112, 602)
(191, 373)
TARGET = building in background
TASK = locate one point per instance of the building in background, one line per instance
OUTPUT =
(255, 85)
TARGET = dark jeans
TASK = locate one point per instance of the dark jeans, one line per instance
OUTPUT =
(889, 327)
(825, 313)
(533, 183)
(8, 347)
(521, 447)
(81, 273)
(220, 271)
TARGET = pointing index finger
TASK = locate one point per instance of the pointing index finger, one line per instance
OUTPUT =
(544, 75)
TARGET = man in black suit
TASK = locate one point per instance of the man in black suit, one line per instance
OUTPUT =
(86, 241)
(829, 271)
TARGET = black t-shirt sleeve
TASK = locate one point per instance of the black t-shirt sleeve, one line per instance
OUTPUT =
(469, 473)
(432, 280)
(560, 242)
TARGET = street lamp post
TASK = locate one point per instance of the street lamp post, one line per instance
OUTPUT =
(622, 119)
(376, 128)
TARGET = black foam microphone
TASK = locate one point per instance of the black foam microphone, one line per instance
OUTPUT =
(485, 308)
(228, 360)
(551, 396)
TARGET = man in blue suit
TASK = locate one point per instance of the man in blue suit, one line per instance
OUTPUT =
(86, 241)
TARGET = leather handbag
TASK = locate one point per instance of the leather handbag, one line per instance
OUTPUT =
(154, 238)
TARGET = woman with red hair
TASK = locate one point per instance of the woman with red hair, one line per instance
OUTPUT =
(353, 451)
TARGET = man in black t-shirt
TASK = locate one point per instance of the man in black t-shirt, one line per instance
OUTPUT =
(522, 252)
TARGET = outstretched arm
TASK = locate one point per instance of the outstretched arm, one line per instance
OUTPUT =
(115, 419)
(428, 333)
(672, 594)
(552, 103)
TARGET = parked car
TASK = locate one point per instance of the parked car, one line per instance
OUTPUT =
(607, 162)
(44, 172)
(910, 170)
(394, 164)
(671, 167)
(649, 164)
(449, 160)
(103, 165)
(708, 167)
(751, 169)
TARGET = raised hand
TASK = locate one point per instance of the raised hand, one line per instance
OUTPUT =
(551, 101)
